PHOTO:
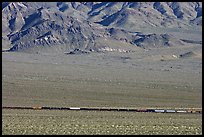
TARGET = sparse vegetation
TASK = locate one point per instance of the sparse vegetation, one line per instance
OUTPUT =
(54, 122)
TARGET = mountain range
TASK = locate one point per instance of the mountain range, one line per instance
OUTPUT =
(62, 27)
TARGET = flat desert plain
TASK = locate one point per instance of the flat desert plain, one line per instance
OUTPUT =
(168, 77)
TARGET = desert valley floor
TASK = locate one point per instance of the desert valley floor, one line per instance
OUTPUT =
(169, 77)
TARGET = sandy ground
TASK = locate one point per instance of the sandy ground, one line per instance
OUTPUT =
(144, 78)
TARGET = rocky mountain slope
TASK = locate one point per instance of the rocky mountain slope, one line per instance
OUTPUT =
(66, 26)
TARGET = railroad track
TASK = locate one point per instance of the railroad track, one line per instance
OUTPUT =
(180, 110)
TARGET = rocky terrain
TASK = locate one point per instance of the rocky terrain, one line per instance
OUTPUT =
(60, 27)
